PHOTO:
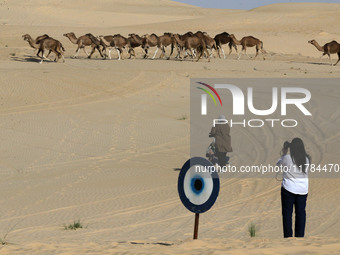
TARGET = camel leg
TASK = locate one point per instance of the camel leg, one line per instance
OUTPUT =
(218, 52)
(263, 51)
(193, 54)
(257, 52)
(77, 51)
(330, 58)
(164, 54)
(322, 56)
(100, 52)
(245, 52)
(56, 55)
(146, 52)
(92, 51)
(208, 54)
(48, 54)
(43, 56)
(178, 52)
(86, 51)
(224, 53)
(172, 50)
(239, 54)
(110, 53)
(338, 58)
(154, 55)
(118, 52)
(235, 47)
(62, 56)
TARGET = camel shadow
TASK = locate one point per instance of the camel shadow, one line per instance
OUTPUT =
(26, 58)
(319, 63)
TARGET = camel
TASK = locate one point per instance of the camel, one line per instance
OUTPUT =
(221, 39)
(52, 45)
(249, 41)
(134, 42)
(183, 38)
(83, 41)
(107, 41)
(164, 41)
(150, 41)
(210, 42)
(35, 44)
(116, 41)
(332, 47)
(193, 43)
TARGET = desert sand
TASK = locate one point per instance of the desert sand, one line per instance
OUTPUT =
(101, 141)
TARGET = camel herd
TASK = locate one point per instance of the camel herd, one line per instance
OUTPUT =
(193, 45)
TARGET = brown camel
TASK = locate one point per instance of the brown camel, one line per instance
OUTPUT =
(332, 47)
(108, 42)
(193, 43)
(35, 44)
(221, 39)
(83, 41)
(249, 41)
(53, 45)
(162, 42)
(151, 41)
(183, 38)
(134, 42)
(117, 42)
(210, 42)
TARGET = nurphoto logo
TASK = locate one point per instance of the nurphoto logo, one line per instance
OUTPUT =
(283, 99)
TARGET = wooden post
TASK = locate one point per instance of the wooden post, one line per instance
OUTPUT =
(197, 216)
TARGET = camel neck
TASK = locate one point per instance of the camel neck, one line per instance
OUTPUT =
(318, 46)
(73, 39)
(236, 41)
(32, 43)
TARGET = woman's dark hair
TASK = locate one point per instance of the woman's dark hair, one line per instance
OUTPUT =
(298, 153)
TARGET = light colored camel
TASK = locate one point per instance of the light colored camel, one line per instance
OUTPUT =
(249, 41)
(193, 43)
(332, 47)
(83, 41)
(221, 39)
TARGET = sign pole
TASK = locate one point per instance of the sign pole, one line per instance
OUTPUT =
(197, 216)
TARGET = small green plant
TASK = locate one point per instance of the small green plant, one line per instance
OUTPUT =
(252, 229)
(76, 224)
(12, 54)
(3, 240)
(183, 117)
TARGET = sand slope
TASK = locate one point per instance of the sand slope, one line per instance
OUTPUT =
(100, 141)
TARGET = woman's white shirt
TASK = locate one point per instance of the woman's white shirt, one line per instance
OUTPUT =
(294, 180)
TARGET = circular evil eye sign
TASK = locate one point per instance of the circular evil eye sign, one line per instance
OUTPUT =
(197, 187)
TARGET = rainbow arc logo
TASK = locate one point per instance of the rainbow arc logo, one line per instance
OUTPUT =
(204, 96)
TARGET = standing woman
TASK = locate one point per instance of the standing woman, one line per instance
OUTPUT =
(221, 132)
(294, 190)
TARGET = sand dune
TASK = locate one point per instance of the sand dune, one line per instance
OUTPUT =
(100, 141)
